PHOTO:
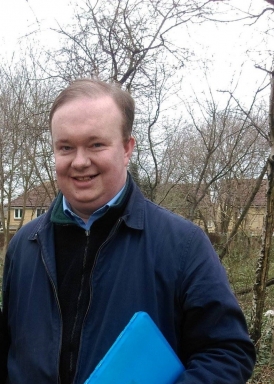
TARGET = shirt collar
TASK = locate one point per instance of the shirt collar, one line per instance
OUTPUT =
(95, 216)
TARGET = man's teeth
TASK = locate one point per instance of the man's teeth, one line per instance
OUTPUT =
(84, 178)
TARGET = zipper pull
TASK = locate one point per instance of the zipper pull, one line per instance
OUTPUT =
(87, 231)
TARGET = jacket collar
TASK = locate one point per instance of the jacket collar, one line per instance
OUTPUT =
(134, 212)
(58, 215)
(133, 215)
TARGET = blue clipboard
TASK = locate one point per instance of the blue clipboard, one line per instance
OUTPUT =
(140, 355)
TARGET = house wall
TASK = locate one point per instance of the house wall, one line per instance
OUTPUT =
(29, 215)
(253, 222)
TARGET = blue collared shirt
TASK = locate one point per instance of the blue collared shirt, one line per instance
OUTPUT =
(95, 216)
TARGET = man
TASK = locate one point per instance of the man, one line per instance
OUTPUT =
(75, 275)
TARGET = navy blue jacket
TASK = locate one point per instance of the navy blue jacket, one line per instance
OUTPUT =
(3, 351)
(153, 261)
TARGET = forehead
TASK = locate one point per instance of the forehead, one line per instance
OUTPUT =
(85, 115)
(91, 104)
(101, 108)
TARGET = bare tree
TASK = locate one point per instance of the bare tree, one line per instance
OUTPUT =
(262, 270)
(224, 148)
(261, 277)
(122, 40)
(23, 127)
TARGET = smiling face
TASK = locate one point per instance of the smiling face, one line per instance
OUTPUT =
(91, 156)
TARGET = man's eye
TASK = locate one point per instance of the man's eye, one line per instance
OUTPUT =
(65, 148)
(98, 145)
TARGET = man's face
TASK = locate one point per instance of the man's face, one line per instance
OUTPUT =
(91, 157)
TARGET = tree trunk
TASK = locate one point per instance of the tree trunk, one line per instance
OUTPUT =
(259, 290)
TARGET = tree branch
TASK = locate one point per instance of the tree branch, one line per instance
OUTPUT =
(244, 291)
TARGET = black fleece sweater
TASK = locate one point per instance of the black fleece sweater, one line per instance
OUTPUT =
(75, 252)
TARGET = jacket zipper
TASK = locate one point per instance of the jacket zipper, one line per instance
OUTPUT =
(112, 233)
(87, 232)
(58, 305)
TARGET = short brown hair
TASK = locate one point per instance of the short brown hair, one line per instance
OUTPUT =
(94, 89)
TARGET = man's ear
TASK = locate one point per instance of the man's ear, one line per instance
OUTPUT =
(129, 146)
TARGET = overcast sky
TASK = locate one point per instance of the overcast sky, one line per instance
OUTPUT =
(21, 17)
(224, 44)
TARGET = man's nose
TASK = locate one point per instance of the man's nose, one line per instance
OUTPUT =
(81, 159)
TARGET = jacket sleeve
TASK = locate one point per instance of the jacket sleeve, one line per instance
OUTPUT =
(4, 331)
(3, 349)
(215, 345)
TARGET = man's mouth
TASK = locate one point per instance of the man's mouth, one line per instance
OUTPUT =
(84, 178)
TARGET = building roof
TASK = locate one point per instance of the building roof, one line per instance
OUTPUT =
(40, 196)
(260, 197)
(241, 190)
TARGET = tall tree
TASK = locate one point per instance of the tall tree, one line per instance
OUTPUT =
(124, 40)
(23, 116)
(259, 292)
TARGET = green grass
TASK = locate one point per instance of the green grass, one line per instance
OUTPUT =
(241, 267)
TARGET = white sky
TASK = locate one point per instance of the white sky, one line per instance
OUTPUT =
(21, 17)
(224, 44)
